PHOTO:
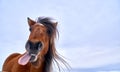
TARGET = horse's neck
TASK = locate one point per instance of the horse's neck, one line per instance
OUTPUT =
(45, 68)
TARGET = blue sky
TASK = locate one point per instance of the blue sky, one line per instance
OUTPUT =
(89, 30)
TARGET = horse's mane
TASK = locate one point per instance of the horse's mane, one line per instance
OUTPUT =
(52, 55)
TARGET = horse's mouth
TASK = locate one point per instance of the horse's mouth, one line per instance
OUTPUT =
(33, 58)
(25, 58)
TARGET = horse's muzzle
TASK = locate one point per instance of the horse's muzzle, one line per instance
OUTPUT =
(33, 49)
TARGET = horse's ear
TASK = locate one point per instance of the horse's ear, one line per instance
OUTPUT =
(30, 22)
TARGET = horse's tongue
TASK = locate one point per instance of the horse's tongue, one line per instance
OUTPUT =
(24, 59)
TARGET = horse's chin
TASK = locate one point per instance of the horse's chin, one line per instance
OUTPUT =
(35, 62)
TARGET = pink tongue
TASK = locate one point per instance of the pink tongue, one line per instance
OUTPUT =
(24, 59)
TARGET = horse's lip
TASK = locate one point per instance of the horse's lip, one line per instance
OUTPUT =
(33, 54)
(33, 57)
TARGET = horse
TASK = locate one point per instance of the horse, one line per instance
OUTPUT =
(40, 52)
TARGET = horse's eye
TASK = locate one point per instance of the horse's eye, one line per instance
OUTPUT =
(49, 32)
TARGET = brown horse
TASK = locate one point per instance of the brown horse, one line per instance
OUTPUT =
(40, 49)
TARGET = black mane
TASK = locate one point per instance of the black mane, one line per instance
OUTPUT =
(47, 22)
(51, 55)
(51, 31)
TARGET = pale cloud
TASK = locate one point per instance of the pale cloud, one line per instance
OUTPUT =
(81, 23)
(90, 57)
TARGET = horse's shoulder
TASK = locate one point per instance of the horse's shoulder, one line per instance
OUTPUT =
(8, 61)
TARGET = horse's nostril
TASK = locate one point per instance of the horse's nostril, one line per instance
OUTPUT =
(39, 45)
(27, 46)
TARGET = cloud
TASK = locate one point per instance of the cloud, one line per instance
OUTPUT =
(82, 23)
(90, 57)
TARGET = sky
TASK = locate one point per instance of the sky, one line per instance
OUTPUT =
(89, 30)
